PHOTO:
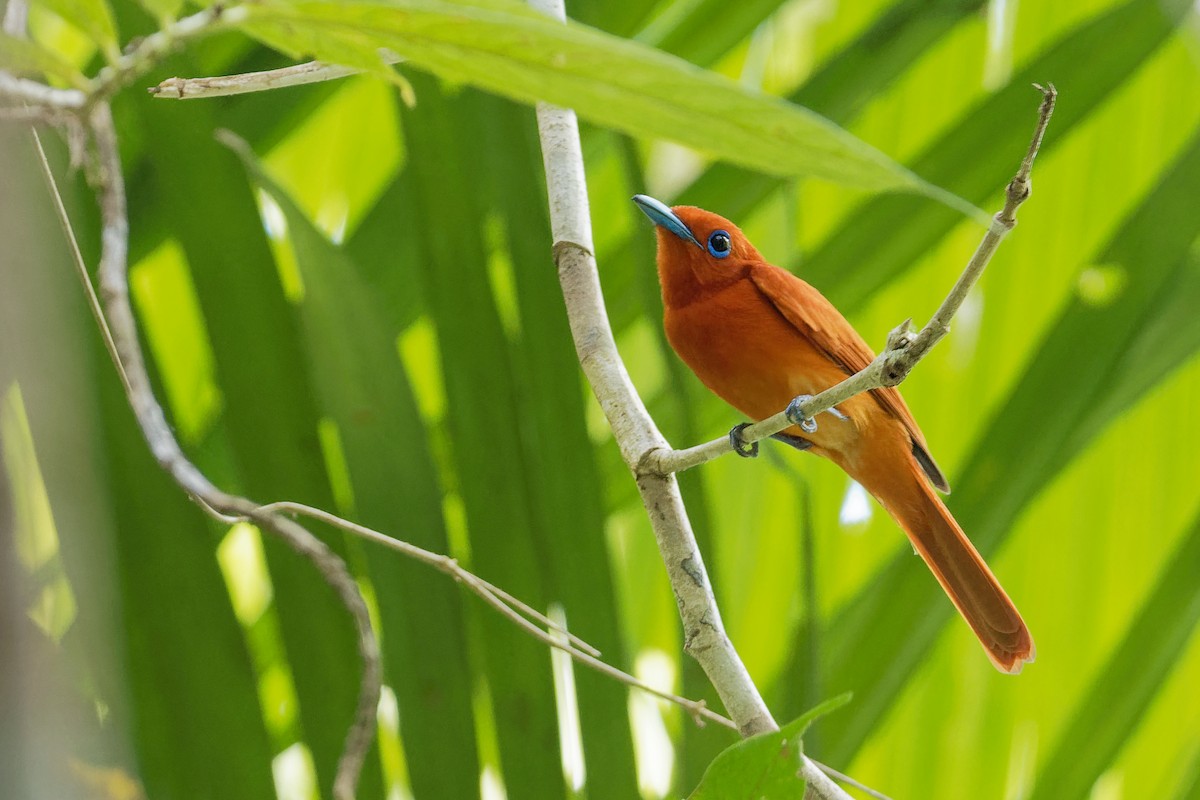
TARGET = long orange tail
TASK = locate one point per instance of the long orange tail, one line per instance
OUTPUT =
(958, 567)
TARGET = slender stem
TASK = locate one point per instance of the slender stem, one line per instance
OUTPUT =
(842, 777)
(521, 614)
(904, 348)
(151, 50)
(224, 85)
(39, 94)
(81, 270)
(247, 82)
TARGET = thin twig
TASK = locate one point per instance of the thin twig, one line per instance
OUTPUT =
(152, 49)
(842, 777)
(244, 83)
(247, 82)
(515, 610)
(438, 561)
(114, 290)
(81, 269)
(904, 348)
(39, 94)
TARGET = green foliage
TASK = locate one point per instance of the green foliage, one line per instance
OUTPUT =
(22, 56)
(358, 309)
(92, 17)
(505, 47)
(764, 767)
(1125, 686)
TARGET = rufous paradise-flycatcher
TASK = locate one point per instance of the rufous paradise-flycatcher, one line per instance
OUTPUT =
(759, 337)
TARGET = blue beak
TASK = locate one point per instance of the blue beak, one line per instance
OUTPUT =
(664, 217)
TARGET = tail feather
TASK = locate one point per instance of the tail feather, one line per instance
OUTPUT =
(960, 570)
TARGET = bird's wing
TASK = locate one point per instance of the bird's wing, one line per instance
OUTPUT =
(817, 320)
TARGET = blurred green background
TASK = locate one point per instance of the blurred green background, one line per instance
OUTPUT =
(363, 314)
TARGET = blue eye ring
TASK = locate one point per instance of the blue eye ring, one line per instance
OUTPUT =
(720, 245)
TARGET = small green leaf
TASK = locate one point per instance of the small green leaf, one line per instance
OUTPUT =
(27, 56)
(504, 47)
(94, 18)
(764, 767)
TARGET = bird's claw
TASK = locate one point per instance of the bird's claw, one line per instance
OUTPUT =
(796, 417)
(741, 446)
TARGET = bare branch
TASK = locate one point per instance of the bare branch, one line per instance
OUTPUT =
(39, 94)
(81, 270)
(704, 634)
(153, 48)
(524, 616)
(842, 777)
(904, 348)
(247, 82)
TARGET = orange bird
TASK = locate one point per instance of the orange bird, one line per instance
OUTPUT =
(763, 339)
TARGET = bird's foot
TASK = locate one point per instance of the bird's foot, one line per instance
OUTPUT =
(741, 446)
(796, 417)
(807, 424)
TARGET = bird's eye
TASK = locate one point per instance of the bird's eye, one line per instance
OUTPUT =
(719, 244)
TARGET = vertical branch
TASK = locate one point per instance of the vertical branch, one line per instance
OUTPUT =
(16, 13)
(704, 634)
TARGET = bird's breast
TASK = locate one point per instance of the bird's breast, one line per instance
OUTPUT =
(742, 349)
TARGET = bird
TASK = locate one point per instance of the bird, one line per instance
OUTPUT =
(764, 340)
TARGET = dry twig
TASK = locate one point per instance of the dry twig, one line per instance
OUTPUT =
(248, 82)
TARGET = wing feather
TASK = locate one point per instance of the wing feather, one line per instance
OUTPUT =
(817, 320)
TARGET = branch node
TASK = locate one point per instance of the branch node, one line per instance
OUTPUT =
(563, 245)
(901, 336)
(650, 462)
(696, 710)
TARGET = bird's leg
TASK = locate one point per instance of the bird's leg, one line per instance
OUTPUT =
(798, 442)
(740, 445)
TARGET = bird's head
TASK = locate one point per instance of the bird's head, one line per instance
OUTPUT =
(696, 248)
